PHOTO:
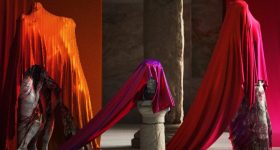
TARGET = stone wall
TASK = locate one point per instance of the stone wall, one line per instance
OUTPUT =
(206, 20)
(123, 44)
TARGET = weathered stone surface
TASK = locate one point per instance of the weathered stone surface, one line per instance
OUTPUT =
(206, 19)
(170, 130)
(206, 22)
(187, 16)
(122, 47)
(123, 43)
(152, 134)
(164, 40)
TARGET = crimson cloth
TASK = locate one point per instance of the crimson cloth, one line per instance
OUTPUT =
(267, 12)
(235, 67)
(9, 43)
(124, 101)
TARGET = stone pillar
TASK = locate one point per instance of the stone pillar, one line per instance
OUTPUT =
(152, 136)
(163, 34)
(188, 90)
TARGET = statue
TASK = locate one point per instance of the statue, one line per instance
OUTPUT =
(39, 96)
(150, 89)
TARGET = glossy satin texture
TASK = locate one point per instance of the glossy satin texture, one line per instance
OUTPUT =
(49, 40)
(124, 101)
(236, 65)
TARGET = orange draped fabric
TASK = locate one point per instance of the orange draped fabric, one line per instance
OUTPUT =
(50, 41)
(46, 40)
(235, 67)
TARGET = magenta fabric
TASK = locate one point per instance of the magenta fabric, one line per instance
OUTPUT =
(235, 67)
(123, 102)
(268, 14)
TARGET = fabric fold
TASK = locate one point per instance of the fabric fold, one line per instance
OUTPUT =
(124, 101)
(236, 65)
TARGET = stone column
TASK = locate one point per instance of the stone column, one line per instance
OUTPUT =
(164, 40)
(152, 136)
(188, 92)
(163, 34)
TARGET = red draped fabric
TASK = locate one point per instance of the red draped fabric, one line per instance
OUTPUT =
(236, 65)
(268, 12)
(124, 101)
(10, 11)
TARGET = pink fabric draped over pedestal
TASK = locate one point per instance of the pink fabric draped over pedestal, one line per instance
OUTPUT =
(124, 101)
(235, 67)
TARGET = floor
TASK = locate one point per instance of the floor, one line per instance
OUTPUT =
(119, 138)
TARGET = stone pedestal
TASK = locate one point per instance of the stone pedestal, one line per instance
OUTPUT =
(152, 132)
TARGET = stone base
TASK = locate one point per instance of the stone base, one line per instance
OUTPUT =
(135, 142)
(152, 137)
(170, 130)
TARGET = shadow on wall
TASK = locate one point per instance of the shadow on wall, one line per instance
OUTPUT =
(122, 47)
(123, 44)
